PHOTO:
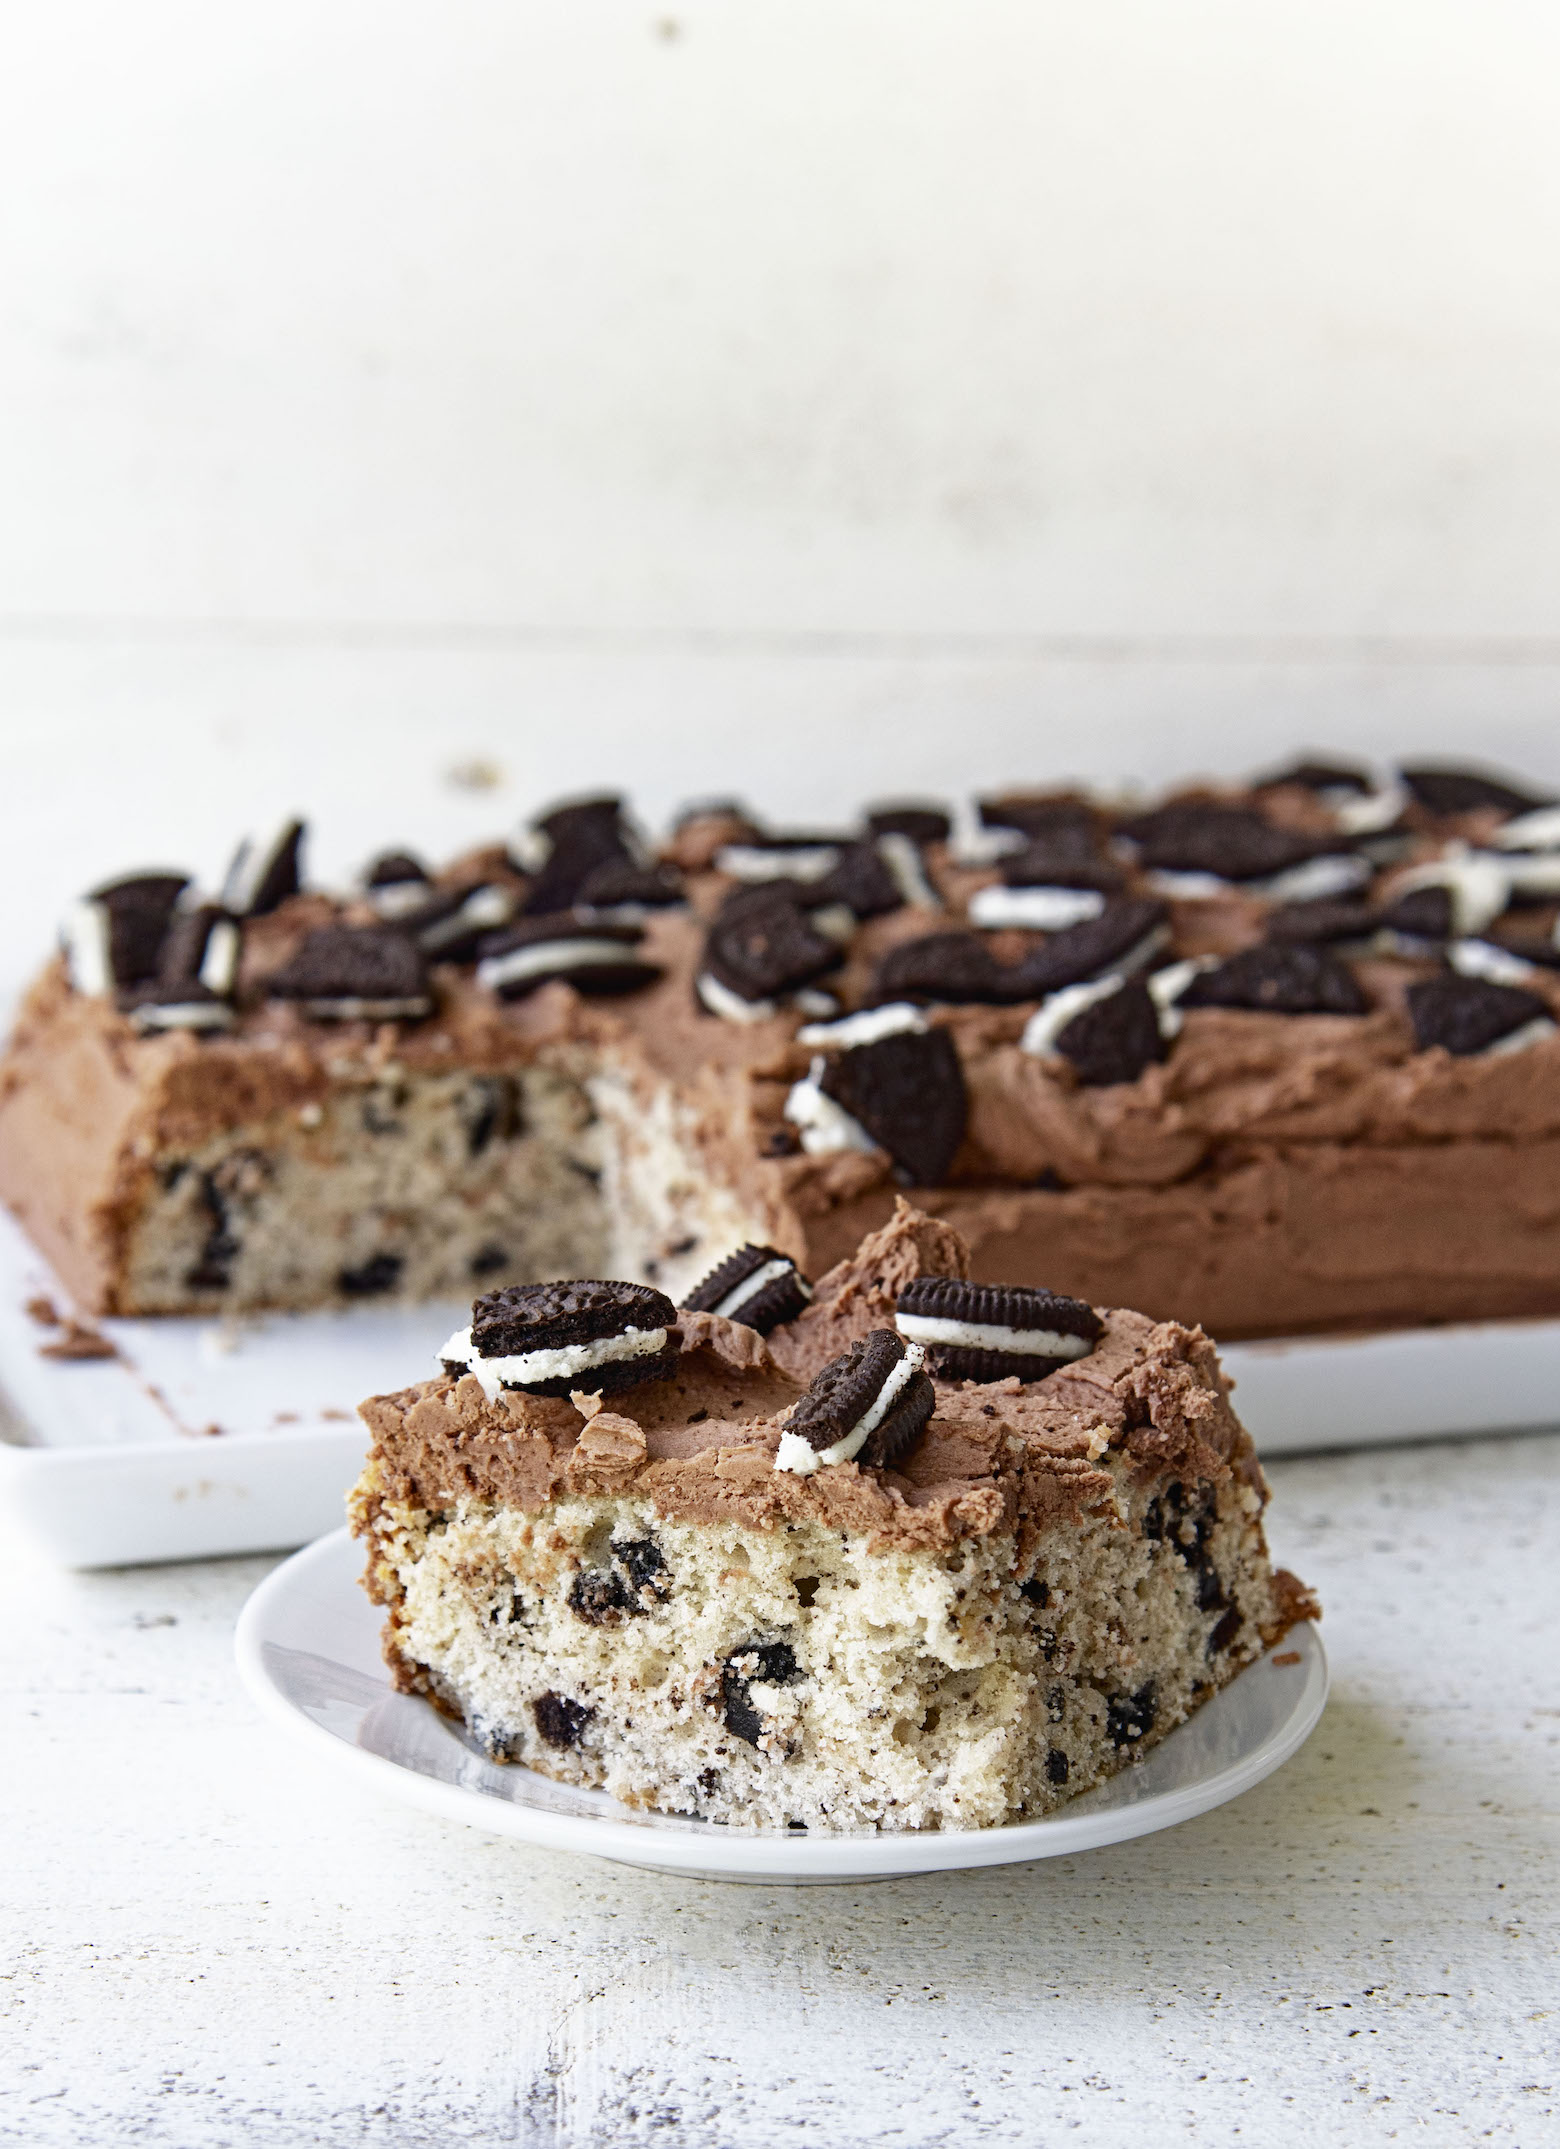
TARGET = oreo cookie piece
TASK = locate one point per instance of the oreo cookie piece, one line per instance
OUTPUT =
(1054, 865)
(1472, 889)
(1323, 777)
(559, 1338)
(1126, 935)
(1231, 843)
(396, 884)
(1467, 1015)
(1424, 918)
(134, 917)
(1279, 980)
(921, 824)
(452, 926)
(202, 945)
(1445, 790)
(263, 875)
(564, 846)
(1327, 923)
(177, 1004)
(869, 1406)
(1109, 1030)
(757, 1285)
(861, 879)
(593, 957)
(945, 967)
(759, 950)
(1062, 823)
(986, 1332)
(624, 893)
(907, 1093)
(355, 973)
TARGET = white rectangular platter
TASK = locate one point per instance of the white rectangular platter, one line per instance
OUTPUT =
(203, 1437)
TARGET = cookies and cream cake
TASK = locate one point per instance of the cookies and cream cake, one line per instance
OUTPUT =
(820, 1578)
(1277, 1058)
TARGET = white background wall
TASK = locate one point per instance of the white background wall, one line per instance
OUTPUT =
(891, 394)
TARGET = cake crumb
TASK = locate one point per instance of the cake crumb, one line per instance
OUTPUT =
(78, 1341)
(1290, 1656)
(42, 1310)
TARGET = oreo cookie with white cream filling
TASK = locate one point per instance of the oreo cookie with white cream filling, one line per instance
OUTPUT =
(758, 952)
(396, 885)
(757, 1285)
(202, 945)
(988, 1332)
(590, 955)
(1110, 1030)
(1279, 980)
(453, 925)
(120, 943)
(920, 824)
(860, 879)
(1226, 843)
(870, 1406)
(907, 1093)
(590, 1337)
(623, 893)
(177, 1004)
(355, 973)
(564, 846)
(1469, 1015)
(1123, 938)
(263, 875)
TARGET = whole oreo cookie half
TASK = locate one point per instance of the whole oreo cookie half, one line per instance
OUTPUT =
(1114, 1037)
(757, 1285)
(1229, 842)
(869, 1406)
(559, 1338)
(922, 824)
(950, 968)
(1279, 980)
(763, 947)
(907, 1092)
(987, 1332)
(264, 874)
(355, 973)
(1125, 935)
(591, 956)
(1467, 1015)
(1442, 790)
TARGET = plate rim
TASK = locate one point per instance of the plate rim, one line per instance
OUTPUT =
(760, 1856)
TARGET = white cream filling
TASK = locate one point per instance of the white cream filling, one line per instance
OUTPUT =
(801, 1458)
(219, 959)
(1533, 875)
(826, 1128)
(525, 1368)
(549, 955)
(760, 1280)
(1053, 1014)
(908, 873)
(974, 845)
(1309, 882)
(1531, 1033)
(249, 868)
(484, 910)
(836, 921)
(1367, 813)
(1482, 958)
(729, 1005)
(811, 1001)
(991, 1336)
(752, 863)
(865, 1028)
(84, 937)
(398, 898)
(1040, 910)
(184, 1015)
(1535, 831)
(1479, 885)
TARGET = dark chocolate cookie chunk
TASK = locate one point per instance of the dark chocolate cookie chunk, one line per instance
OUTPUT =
(138, 912)
(1466, 1015)
(565, 846)
(1316, 776)
(869, 1406)
(590, 955)
(757, 1285)
(922, 824)
(557, 1338)
(621, 886)
(201, 944)
(1125, 935)
(1427, 914)
(349, 973)
(396, 869)
(1230, 842)
(1052, 865)
(946, 967)
(763, 946)
(1114, 1039)
(1295, 980)
(1322, 923)
(860, 880)
(1462, 790)
(907, 1092)
(987, 1332)
(1063, 823)
(263, 875)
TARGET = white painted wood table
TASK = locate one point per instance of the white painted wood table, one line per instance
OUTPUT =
(207, 1943)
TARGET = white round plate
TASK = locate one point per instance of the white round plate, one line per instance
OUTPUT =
(308, 1651)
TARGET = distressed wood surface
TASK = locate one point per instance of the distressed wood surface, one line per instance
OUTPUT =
(207, 1941)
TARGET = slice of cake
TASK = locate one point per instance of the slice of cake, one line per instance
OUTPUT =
(930, 1554)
